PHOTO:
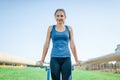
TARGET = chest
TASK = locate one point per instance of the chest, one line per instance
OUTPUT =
(60, 35)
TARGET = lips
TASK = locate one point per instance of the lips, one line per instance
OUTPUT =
(60, 20)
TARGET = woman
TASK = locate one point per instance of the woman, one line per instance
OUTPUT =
(61, 34)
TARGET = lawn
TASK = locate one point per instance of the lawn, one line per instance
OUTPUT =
(94, 75)
(40, 74)
(22, 74)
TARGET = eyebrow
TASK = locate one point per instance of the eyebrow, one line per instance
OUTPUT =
(59, 15)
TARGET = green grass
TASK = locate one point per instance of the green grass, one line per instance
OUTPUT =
(40, 74)
(94, 75)
(22, 74)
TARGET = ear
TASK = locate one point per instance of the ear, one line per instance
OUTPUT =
(54, 17)
(65, 17)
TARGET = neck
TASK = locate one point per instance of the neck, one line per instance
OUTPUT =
(60, 25)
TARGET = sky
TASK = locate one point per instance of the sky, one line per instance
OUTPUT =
(24, 24)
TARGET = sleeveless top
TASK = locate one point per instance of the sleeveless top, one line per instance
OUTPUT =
(60, 43)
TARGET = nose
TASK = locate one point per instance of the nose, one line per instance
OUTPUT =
(59, 17)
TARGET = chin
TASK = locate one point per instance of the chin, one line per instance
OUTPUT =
(60, 22)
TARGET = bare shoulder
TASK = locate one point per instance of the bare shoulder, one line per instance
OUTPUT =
(70, 28)
(50, 28)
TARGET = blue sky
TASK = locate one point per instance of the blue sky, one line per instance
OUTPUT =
(24, 23)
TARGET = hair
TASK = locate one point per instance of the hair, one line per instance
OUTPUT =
(60, 10)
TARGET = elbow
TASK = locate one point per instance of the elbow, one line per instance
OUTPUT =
(46, 46)
(72, 46)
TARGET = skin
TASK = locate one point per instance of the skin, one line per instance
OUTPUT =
(60, 26)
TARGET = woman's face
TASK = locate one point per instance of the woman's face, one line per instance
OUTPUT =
(60, 17)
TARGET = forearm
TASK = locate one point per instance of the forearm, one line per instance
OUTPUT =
(74, 52)
(45, 50)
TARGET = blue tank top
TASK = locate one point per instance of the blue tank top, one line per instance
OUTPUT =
(60, 43)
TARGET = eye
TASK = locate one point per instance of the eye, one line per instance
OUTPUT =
(61, 15)
(57, 15)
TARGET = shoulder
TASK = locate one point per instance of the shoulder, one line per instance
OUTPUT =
(50, 28)
(70, 28)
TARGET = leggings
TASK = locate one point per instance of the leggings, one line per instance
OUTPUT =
(60, 66)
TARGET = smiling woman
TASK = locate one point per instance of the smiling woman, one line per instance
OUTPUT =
(60, 16)
(61, 34)
(23, 26)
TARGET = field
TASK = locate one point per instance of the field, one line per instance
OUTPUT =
(94, 75)
(40, 74)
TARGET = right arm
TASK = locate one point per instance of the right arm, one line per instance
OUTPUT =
(46, 45)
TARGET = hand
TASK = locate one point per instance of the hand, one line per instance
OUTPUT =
(78, 63)
(40, 63)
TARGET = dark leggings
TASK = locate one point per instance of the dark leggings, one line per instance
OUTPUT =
(60, 66)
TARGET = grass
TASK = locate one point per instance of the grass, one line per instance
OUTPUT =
(94, 75)
(22, 74)
(40, 74)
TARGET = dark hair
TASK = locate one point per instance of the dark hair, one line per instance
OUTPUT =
(60, 10)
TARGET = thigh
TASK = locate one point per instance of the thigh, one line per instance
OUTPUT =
(55, 69)
(66, 69)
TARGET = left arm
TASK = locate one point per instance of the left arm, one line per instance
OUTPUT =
(72, 45)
